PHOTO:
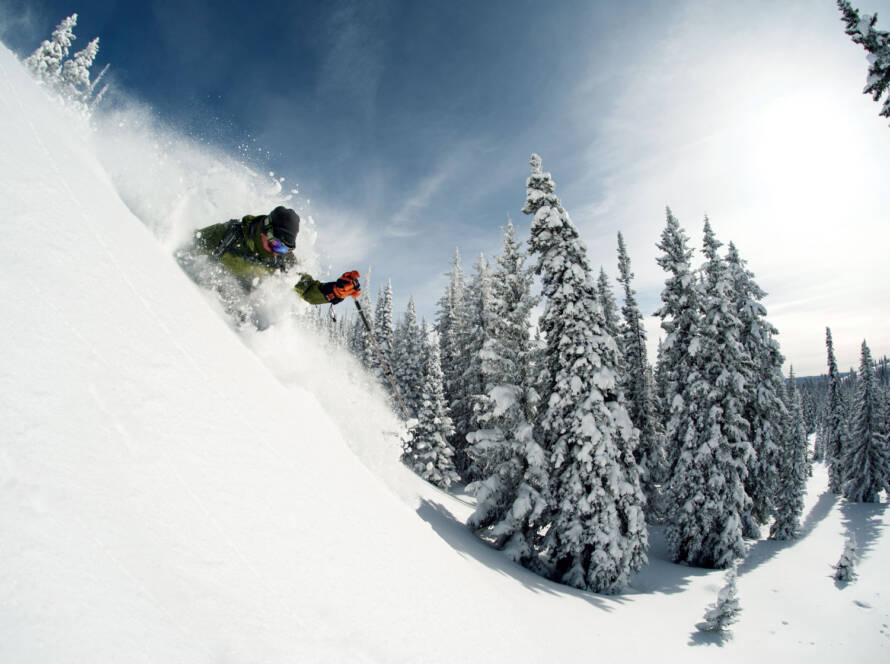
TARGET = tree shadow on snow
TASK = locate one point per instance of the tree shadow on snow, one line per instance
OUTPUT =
(662, 575)
(820, 510)
(699, 638)
(462, 540)
(762, 551)
(866, 522)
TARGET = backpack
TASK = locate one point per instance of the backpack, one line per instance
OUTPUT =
(233, 232)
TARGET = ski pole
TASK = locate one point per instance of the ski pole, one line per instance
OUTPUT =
(361, 312)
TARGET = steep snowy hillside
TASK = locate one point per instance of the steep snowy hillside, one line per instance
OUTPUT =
(174, 491)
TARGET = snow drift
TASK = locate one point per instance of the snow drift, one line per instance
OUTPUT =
(172, 491)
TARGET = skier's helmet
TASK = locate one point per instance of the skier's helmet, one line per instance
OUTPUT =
(284, 225)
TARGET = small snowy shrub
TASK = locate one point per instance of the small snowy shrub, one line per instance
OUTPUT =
(843, 571)
(726, 609)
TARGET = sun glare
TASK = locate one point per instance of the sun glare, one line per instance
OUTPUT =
(798, 144)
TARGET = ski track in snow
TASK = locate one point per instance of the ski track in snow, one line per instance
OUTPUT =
(173, 491)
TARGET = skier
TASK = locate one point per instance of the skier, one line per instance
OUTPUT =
(256, 246)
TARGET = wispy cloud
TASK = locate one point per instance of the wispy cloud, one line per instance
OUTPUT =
(353, 51)
(410, 218)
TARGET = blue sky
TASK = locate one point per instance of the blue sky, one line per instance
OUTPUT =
(409, 126)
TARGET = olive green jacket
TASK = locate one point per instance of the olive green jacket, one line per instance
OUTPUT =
(312, 290)
(238, 247)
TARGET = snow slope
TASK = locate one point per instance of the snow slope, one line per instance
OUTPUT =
(172, 490)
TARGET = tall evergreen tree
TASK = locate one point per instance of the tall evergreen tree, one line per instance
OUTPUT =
(662, 387)
(512, 494)
(819, 442)
(680, 314)
(792, 470)
(598, 536)
(638, 388)
(505, 353)
(877, 42)
(706, 494)
(479, 317)
(384, 332)
(835, 423)
(427, 451)
(359, 341)
(408, 367)
(867, 455)
(451, 328)
(764, 407)
(610, 313)
(886, 411)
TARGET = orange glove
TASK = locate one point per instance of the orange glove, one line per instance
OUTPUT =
(347, 285)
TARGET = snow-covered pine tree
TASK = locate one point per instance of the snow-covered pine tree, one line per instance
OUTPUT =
(426, 450)
(598, 536)
(479, 317)
(358, 339)
(451, 328)
(764, 407)
(844, 571)
(46, 62)
(75, 78)
(706, 497)
(835, 423)
(680, 314)
(502, 360)
(849, 396)
(867, 455)
(792, 469)
(877, 42)
(819, 442)
(384, 332)
(408, 363)
(662, 387)
(606, 298)
(512, 494)
(638, 388)
(354, 338)
(886, 392)
(70, 78)
(726, 609)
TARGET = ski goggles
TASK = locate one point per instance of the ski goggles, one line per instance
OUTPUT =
(273, 243)
(277, 245)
